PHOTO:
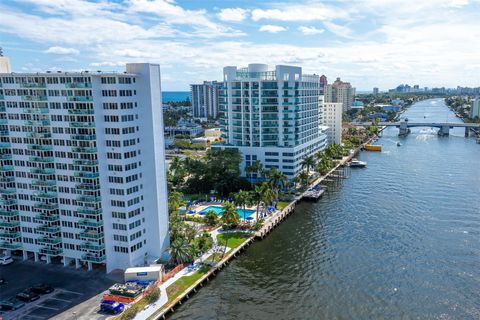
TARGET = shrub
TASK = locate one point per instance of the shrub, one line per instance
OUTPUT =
(153, 295)
(130, 313)
(211, 218)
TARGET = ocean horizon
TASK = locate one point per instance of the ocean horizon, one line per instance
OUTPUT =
(175, 96)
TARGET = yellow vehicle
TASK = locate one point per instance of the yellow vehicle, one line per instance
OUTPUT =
(373, 147)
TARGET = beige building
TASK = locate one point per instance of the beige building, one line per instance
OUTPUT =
(341, 92)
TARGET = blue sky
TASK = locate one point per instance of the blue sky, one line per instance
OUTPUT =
(367, 42)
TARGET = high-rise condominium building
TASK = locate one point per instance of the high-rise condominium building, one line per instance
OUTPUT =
(82, 170)
(205, 99)
(271, 115)
(323, 84)
(331, 117)
(375, 91)
(475, 108)
(341, 92)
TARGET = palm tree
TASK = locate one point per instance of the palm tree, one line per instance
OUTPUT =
(257, 167)
(262, 194)
(242, 199)
(181, 251)
(276, 178)
(303, 177)
(230, 216)
(307, 163)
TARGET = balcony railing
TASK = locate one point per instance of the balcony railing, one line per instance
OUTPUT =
(93, 258)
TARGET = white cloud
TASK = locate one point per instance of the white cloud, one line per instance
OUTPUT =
(309, 11)
(310, 30)
(339, 30)
(62, 50)
(271, 28)
(233, 14)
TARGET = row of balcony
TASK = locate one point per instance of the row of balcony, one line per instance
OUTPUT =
(10, 245)
(8, 213)
(9, 224)
(48, 217)
(39, 135)
(82, 162)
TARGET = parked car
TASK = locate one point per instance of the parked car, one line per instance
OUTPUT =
(42, 289)
(4, 260)
(111, 307)
(27, 296)
(11, 304)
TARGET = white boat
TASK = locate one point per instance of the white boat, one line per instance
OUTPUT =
(358, 164)
(398, 144)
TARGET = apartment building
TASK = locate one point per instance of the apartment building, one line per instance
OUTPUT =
(341, 92)
(78, 153)
(205, 99)
(271, 115)
(331, 120)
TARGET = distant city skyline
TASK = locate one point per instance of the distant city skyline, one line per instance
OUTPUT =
(369, 43)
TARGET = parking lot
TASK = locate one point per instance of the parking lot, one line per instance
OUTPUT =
(75, 296)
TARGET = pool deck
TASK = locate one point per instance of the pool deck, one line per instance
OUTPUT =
(203, 206)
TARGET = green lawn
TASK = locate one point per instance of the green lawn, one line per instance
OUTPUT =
(234, 239)
(179, 286)
(282, 204)
(215, 257)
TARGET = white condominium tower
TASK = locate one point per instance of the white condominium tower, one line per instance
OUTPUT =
(271, 115)
(205, 99)
(82, 169)
(331, 117)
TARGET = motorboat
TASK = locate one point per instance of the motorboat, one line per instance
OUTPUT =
(357, 163)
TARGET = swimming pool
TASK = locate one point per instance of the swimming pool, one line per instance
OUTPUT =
(219, 210)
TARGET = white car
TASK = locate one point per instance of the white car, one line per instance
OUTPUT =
(6, 260)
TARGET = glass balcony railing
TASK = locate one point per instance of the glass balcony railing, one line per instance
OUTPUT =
(7, 190)
(86, 174)
(35, 110)
(39, 135)
(81, 162)
(48, 229)
(92, 246)
(41, 159)
(84, 149)
(8, 202)
(89, 211)
(93, 258)
(3, 121)
(45, 195)
(5, 144)
(78, 85)
(10, 245)
(46, 206)
(48, 217)
(9, 234)
(44, 183)
(33, 85)
(80, 111)
(9, 224)
(80, 124)
(7, 179)
(6, 168)
(42, 171)
(48, 240)
(37, 123)
(4, 133)
(91, 234)
(89, 198)
(41, 147)
(83, 137)
(8, 213)
(5, 156)
(80, 98)
(51, 251)
(90, 223)
(87, 186)
(34, 98)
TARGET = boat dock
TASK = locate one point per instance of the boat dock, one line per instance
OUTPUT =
(313, 194)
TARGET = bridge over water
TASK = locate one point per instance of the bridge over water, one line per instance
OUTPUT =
(443, 126)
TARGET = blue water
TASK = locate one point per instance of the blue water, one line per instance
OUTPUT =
(175, 96)
(219, 211)
(397, 240)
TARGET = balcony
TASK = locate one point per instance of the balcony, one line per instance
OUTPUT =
(10, 246)
(91, 246)
(35, 110)
(87, 186)
(89, 211)
(6, 168)
(92, 258)
(46, 206)
(3, 121)
(33, 85)
(42, 171)
(48, 229)
(5, 156)
(80, 124)
(8, 202)
(42, 159)
(86, 174)
(9, 234)
(5, 144)
(40, 147)
(37, 123)
(85, 162)
(91, 234)
(83, 137)
(48, 217)
(45, 195)
(47, 240)
(6, 214)
(90, 223)
(39, 135)
(43, 183)
(84, 149)
(51, 251)
(5, 179)
(80, 111)
(34, 98)
(4, 133)
(79, 85)
(89, 198)
(9, 224)
(7, 190)
(80, 98)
